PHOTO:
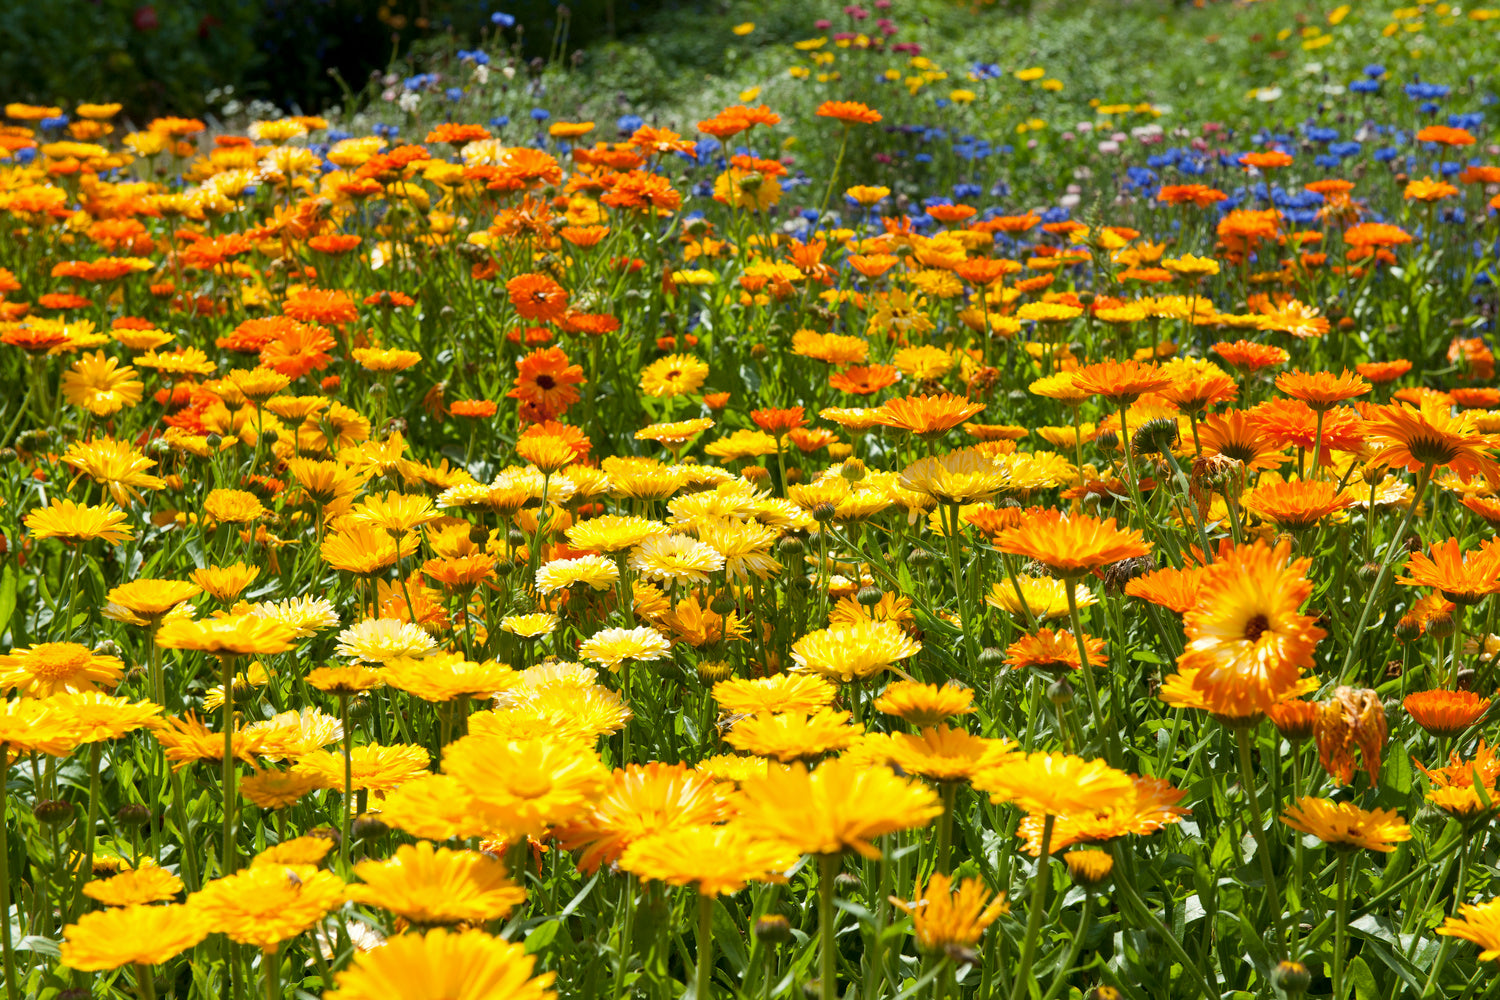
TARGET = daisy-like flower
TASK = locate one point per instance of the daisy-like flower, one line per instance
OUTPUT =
(715, 860)
(612, 647)
(101, 385)
(530, 626)
(1446, 713)
(597, 572)
(520, 787)
(1345, 826)
(76, 522)
(612, 533)
(1055, 651)
(234, 635)
(1045, 597)
(1152, 804)
(57, 667)
(146, 884)
(791, 736)
(849, 112)
(1072, 547)
(374, 767)
(1461, 577)
(344, 680)
(943, 917)
(263, 906)
(846, 652)
(447, 676)
(1175, 589)
(562, 711)
(841, 806)
(380, 640)
(1089, 867)
(1055, 784)
(1479, 923)
(641, 801)
(1430, 437)
(942, 753)
(778, 693)
(395, 513)
(1247, 643)
(277, 789)
(926, 415)
(139, 934)
(673, 375)
(1296, 504)
(1322, 390)
(925, 704)
(141, 601)
(429, 886)
(225, 583)
(965, 476)
(1121, 382)
(95, 716)
(466, 965)
(306, 615)
(675, 559)
(115, 464)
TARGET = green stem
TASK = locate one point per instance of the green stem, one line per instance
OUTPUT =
(1396, 542)
(12, 987)
(627, 936)
(145, 984)
(348, 782)
(1097, 717)
(1258, 831)
(1084, 922)
(1341, 927)
(226, 674)
(949, 791)
(86, 870)
(270, 965)
(828, 870)
(705, 946)
(1125, 893)
(1038, 906)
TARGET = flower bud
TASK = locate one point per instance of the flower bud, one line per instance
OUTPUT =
(1292, 978)
(869, 596)
(54, 812)
(774, 929)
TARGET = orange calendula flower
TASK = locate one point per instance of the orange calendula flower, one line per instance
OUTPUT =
(928, 415)
(1345, 826)
(1446, 713)
(1054, 651)
(1479, 923)
(1121, 382)
(1249, 358)
(537, 297)
(1056, 784)
(1072, 547)
(849, 112)
(1462, 577)
(545, 382)
(1322, 390)
(1296, 504)
(1431, 437)
(1247, 643)
(943, 917)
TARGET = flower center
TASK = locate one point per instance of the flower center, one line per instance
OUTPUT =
(1256, 627)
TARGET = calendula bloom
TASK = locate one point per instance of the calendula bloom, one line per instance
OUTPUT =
(853, 651)
(233, 506)
(1247, 643)
(925, 705)
(95, 716)
(380, 640)
(1293, 719)
(138, 602)
(1089, 867)
(57, 667)
(716, 860)
(791, 736)
(612, 647)
(114, 464)
(1174, 589)
(466, 965)
(532, 626)
(596, 572)
(1072, 547)
(1479, 923)
(642, 801)
(1296, 504)
(1322, 390)
(802, 693)
(1056, 651)
(373, 767)
(840, 806)
(101, 385)
(1430, 437)
(1352, 719)
(75, 522)
(612, 533)
(428, 886)
(943, 917)
(926, 415)
(848, 112)
(225, 583)
(277, 789)
(1121, 382)
(146, 884)
(263, 906)
(942, 753)
(440, 676)
(1345, 826)
(1056, 784)
(675, 559)
(673, 375)
(1152, 805)
(1446, 713)
(958, 477)
(235, 635)
(130, 935)
(1461, 577)
(1040, 597)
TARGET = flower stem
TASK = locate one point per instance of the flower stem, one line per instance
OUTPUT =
(12, 988)
(1038, 906)
(949, 791)
(270, 965)
(1423, 478)
(1097, 718)
(145, 985)
(348, 782)
(1258, 831)
(828, 870)
(705, 946)
(226, 674)
(1084, 922)
(1341, 926)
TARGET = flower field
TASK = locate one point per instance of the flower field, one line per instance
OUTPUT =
(907, 532)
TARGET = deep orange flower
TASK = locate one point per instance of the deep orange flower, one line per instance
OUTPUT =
(1266, 160)
(778, 422)
(1056, 651)
(927, 414)
(1247, 642)
(864, 380)
(1462, 577)
(1368, 235)
(1196, 194)
(1121, 382)
(1294, 719)
(1244, 356)
(1445, 135)
(1353, 718)
(1175, 589)
(546, 382)
(1430, 437)
(1322, 390)
(849, 112)
(1072, 547)
(456, 134)
(1446, 713)
(320, 305)
(1380, 372)
(298, 349)
(1296, 504)
(1292, 422)
(537, 297)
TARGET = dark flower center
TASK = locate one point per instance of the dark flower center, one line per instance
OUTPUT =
(1256, 627)
(546, 382)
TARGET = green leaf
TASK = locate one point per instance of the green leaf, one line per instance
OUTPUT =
(1362, 979)
(541, 937)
